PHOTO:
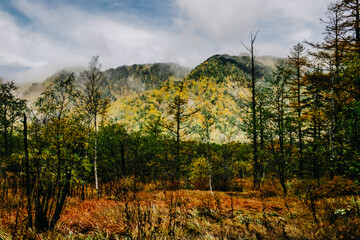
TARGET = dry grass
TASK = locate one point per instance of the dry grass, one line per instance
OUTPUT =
(195, 214)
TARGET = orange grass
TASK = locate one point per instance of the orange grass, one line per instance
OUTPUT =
(194, 214)
(108, 215)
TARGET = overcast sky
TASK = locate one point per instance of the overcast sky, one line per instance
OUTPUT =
(39, 37)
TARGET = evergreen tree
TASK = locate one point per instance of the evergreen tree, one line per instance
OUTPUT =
(298, 61)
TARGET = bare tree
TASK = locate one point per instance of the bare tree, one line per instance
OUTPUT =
(254, 78)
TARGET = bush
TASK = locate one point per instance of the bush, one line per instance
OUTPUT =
(338, 187)
(270, 188)
(200, 173)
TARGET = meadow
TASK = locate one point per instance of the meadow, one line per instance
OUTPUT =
(155, 211)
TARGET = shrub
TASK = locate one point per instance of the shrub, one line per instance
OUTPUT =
(270, 188)
(200, 173)
(338, 187)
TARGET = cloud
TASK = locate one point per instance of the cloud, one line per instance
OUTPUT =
(14, 41)
(226, 23)
(83, 32)
(219, 20)
(62, 34)
(67, 35)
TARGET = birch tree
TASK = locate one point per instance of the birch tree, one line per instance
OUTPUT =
(91, 81)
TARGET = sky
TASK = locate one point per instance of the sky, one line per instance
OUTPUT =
(40, 37)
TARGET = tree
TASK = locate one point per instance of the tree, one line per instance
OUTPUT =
(314, 104)
(278, 122)
(254, 78)
(94, 103)
(57, 147)
(11, 109)
(350, 163)
(348, 129)
(113, 144)
(207, 121)
(332, 89)
(28, 187)
(155, 146)
(351, 16)
(298, 61)
(330, 56)
(179, 112)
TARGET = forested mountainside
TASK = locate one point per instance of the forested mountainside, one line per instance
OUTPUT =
(218, 86)
(141, 92)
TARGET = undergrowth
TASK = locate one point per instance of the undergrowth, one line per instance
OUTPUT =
(330, 211)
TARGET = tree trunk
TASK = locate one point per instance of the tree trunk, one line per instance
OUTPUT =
(61, 201)
(27, 180)
(95, 159)
(123, 162)
(5, 132)
(301, 160)
(178, 140)
(357, 26)
(256, 174)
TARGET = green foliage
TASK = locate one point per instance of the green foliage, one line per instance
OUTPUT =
(58, 141)
(351, 139)
(113, 141)
(11, 109)
(203, 89)
(200, 173)
(225, 68)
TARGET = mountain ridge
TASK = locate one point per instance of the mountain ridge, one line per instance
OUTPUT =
(121, 81)
(220, 84)
(141, 92)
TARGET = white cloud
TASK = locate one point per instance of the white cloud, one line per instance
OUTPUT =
(65, 35)
(225, 23)
(219, 20)
(15, 42)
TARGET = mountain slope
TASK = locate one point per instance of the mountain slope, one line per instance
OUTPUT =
(219, 85)
(141, 93)
(127, 80)
(119, 82)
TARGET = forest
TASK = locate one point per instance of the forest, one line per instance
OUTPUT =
(234, 150)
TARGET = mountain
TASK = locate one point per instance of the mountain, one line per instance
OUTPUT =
(31, 91)
(220, 85)
(127, 80)
(120, 82)
(225, 68)
(141, 93)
